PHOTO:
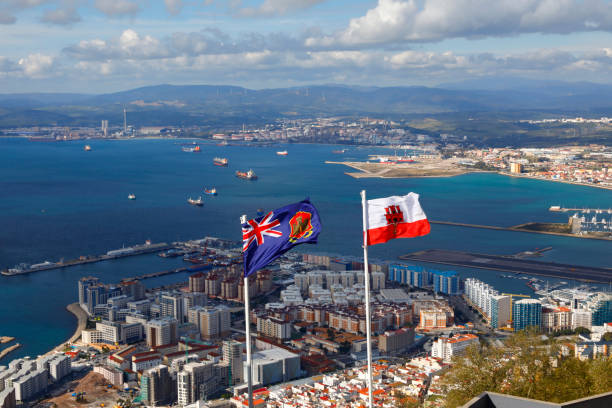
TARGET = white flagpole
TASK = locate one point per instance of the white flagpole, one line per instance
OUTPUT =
(243, 220)
(364, 206)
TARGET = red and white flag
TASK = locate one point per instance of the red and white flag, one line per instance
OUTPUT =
(395, 217)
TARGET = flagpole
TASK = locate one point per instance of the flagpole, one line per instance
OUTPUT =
(247, 324)
(364, 206)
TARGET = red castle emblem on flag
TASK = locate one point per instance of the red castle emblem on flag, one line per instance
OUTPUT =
(394, 214)
(301, 226)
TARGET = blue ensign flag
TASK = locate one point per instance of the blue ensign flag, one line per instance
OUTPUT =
(266, 238)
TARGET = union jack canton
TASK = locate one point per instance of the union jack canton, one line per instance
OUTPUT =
(266, 238)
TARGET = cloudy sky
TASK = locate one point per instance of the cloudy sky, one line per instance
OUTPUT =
(95, 46)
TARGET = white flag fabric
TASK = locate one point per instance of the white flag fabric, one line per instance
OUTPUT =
(395, 217)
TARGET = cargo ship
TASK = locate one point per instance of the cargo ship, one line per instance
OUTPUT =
(212, 191)
(195, 149)
(220, 161)
(249, 175)
(282, 153)
(197, 202)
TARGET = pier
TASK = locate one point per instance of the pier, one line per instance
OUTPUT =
(512, 265)
(114, 254)
(557, 208)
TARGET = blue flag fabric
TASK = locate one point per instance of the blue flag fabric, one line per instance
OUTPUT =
(266, 238)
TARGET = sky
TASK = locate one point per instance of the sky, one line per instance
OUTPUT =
(101, 46)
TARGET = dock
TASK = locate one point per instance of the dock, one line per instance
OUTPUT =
(512, 265)
(557, 208)
(114, 254)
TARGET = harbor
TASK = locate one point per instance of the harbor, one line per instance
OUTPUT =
(146, 248)
(511, 264)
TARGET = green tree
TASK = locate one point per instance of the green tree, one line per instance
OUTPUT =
(528, 365)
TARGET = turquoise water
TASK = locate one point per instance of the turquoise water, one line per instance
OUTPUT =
(58, 201)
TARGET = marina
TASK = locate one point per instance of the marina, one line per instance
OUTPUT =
(511, 264)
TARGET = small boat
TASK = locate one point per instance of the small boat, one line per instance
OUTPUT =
(220, 161)
(282, 153)
(223, 143)
(339, 151)
(195, 149)
(249, 175)
(197, 202)
(131, 197)
(212, 191)
(87, 148)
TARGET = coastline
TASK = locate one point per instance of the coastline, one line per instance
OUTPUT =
(443, 172)
(81, 317)
(5, 352)
(555, 181)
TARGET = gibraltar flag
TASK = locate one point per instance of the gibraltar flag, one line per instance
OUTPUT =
(395, 217)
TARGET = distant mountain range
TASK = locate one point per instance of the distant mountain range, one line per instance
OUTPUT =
(194, 104)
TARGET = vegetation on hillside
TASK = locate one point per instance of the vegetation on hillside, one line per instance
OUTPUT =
(529, 366)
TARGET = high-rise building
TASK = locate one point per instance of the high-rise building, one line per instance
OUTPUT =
(232, 357)
(212, 322)
(105, 127)
(411, 275)
(133, 288)
(196, 381)
(161, 331)
(446, 282)
(157, 386)
(171, 305)
(501, 311)
(601, 306)
(197, 282)
(527, 313)
(480, 294)
(84, 284)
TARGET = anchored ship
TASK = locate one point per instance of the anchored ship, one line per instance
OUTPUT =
(249, 175)
(212, 191)
(220, 161)
(282, 153)
(197, 202)
(195, 149)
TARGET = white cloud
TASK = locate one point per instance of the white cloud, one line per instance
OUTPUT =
(117, 8)
(278, 7)
(36, 65)
(397, 21)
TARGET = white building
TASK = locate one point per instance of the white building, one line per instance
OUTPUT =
(111, 374)
(275, 365)
(446, 347)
